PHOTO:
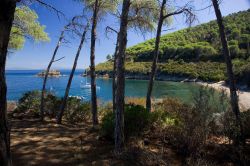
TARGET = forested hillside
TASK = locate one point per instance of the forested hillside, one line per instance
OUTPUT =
(200, 42)
(185, 53)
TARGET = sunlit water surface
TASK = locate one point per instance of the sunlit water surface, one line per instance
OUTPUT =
(21, 81)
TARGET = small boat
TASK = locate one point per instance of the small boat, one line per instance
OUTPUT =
(87, 85)
(51, 89)
(78, 97)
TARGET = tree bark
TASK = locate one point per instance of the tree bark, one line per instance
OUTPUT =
(64, 102)
(114, 73)
(120, 89)
(230, 74)
(7, 11)
(156, 54)
(248, 49)
(47, 73)
(92, 65)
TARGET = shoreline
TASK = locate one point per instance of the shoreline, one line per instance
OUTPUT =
(243, 94)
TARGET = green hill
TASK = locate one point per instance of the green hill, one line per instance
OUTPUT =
(201, 42)
(193, 52)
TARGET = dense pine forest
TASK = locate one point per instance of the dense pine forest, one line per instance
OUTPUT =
(193, 52)
(199, 43)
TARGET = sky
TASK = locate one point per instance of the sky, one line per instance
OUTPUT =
(37, 55)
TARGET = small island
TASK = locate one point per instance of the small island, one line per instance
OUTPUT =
(52, 73)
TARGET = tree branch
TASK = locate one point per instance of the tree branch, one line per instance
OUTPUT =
(187, 10)
(111, 29)
(59, 59)
(50, 7)
(168, 29)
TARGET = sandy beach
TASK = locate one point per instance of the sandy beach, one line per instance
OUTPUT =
(244, 95)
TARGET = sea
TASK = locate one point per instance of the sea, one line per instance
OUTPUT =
(21, 81)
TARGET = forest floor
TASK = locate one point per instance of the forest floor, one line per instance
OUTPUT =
(36, 143)
(47, 144)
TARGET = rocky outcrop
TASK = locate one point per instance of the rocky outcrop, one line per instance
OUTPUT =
(52, 73)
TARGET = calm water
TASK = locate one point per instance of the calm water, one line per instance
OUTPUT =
(21, 81)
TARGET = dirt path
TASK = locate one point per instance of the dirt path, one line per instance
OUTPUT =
(35, 143)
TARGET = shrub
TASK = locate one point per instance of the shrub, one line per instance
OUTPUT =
(243, 74)
(51, 105)
(107, 125)
(166, 113)
(29, 102)
(77, 111)
(187, 127)
(230, 127)
(136, 120)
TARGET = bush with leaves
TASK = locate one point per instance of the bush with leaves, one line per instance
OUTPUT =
(188, 127)
(77, 111)
(229, 123)
(52, 105)
(136, 121)
(29, 103)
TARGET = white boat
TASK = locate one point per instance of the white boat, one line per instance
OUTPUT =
(87, 85)
(78, 97)
(51, 89)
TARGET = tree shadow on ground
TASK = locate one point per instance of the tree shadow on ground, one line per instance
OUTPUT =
(36, 143)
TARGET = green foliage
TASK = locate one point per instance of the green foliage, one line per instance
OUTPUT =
(229, 124)
(77, 111)
(104, 7)
(109, 57)
(205, 71)
(194, 53)
(136, 120)
(107, 125)
(29, 102)
(144, 15)
(243, 74)
(197, 42)
(187, 127)
(26, 25)
(165, 113)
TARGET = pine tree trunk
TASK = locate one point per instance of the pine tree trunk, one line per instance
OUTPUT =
(47, 73)
(120, 89)
(92, 65)
(65, 98)
(248, 49)
(114, 73)
(7, 10)
(156, 54)
(230, 74)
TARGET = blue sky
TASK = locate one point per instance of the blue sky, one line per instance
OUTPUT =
(37, 55)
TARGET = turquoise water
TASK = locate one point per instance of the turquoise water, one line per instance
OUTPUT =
(21, 81)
